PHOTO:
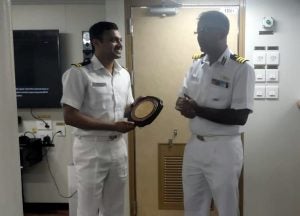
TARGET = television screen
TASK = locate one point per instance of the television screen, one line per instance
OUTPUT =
(37, 68)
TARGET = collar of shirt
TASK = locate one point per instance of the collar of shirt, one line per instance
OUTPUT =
(97, 65)
(221, 60)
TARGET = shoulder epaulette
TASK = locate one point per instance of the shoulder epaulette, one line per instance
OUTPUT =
(124, 68)
(238, 58)
(197, 56)
(85, 62)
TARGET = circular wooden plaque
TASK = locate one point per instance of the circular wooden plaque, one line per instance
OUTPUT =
(145, 110)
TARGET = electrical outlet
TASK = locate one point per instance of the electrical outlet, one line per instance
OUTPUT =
(60, 126)
(40, 124)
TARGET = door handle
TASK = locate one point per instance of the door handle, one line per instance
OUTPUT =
(174, 135)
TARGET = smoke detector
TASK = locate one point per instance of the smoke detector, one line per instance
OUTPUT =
(268, 22)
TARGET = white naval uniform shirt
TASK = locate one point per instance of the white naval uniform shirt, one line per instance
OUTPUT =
(97, 93)
(225, 84)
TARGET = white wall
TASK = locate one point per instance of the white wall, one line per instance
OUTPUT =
(272, 146)
(115, 13)
(10, 184)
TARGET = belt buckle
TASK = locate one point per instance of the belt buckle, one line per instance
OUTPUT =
(113, 137)
(199, 137)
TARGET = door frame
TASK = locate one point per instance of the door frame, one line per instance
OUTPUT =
(128, 4)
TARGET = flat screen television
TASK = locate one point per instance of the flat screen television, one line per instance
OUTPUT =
(37, 68)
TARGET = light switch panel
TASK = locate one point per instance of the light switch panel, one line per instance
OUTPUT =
(260, 75)
(259, 92)
(272, 92)
(272, 58)
(272, 75)
(259, 57)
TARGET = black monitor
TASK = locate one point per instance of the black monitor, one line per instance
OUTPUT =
(37, 68)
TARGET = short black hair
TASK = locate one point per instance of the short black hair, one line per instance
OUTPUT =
(219, 19)
(96, 31)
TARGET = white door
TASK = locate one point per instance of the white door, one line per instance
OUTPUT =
(162, 53)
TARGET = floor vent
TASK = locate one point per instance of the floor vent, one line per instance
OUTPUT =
(170, 179)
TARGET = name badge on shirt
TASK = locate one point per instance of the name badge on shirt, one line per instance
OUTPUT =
(95, 84)
(220, 83)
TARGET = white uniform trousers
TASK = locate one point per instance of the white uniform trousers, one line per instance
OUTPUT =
(101, 171)
(211, 169)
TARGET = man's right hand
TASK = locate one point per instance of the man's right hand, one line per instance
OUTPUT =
(179, 103)
(124, 126)
(185, 106)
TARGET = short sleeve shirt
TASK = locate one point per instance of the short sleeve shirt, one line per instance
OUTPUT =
(225, 84)
(97, 93)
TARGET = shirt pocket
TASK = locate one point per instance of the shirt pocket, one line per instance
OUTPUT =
(100, 95)
(218, 97)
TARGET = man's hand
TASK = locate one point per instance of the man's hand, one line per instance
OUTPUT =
(191, 102)
(186, 106)
(124, 126)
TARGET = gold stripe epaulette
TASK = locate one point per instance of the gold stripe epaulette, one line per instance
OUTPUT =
(77, 65)
(238, 58)
(85, 62)
(197, 56)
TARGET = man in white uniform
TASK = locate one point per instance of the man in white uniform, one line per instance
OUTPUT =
(217, 96)
(95, 96)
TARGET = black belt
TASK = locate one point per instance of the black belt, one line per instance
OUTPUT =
(199, 137)
(101, 138)
(113, 137)
(213, 137)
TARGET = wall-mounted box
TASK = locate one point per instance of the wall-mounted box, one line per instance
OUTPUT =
(272, 58)
(272, 75)
(259, 92)
(272, 92)
(260, 75)
(259, 57)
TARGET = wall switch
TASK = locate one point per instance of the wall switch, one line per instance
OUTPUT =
(40, 124)
(60, 126)
(272, 58)
(259, 92)
(260, 75)
(272, 92)
(259, 57)
(272, 75)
